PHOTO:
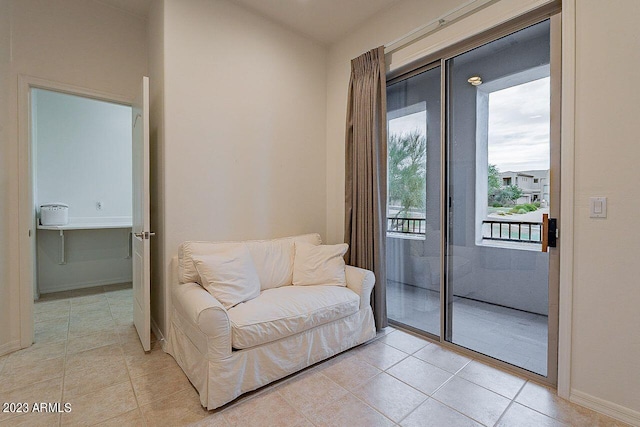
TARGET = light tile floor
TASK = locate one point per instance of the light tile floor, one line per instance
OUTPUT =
(513, 336)
(87, 354)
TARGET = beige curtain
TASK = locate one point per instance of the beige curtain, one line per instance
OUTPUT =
(366, 173)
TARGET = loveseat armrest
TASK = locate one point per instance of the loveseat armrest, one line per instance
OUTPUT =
(207, 314)
(361, 282)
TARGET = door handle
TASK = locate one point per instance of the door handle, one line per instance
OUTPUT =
(549, 232)
(144, 235)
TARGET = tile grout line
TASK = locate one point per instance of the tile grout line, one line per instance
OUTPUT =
(444, 404)
(266, 387)
(289, 403)
(384, 371)
(447, 381)
(68, 303)
(416, 408)
(461, 413)
(124, 360)
(510, 404)
(7, 357)
(472, 382)
(432, 395)
(403, 382)
(366, 404)
(64, 362)
(536, 410)
(481, 386)
(347, 390)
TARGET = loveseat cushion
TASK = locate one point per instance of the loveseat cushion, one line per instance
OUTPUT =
(272, 259)
(280, 312)
(319, 264)
(229, 275)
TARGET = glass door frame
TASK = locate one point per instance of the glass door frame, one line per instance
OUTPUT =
(553, 13)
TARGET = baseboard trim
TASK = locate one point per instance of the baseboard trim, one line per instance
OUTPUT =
(9, 347)
(83, 285)
(158, 333)
(611, 409)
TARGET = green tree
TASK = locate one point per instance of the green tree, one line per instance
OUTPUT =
(511, 193)
(407, 171)
(497, 194)
(494, 183)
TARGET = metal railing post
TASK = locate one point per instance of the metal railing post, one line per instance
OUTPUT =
(510, 237)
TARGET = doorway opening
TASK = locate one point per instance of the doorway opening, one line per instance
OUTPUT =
(81, 211)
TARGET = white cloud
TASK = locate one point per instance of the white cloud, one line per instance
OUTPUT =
(519, 126)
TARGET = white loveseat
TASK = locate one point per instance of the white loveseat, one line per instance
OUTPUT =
(228, 352)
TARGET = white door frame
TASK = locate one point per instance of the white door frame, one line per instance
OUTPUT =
(26, 216)
(567, 203)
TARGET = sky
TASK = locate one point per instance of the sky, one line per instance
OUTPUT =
(409, 122)
(519, 127)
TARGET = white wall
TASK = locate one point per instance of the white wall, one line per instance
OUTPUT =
(78, 42)
(157, 159)
(606, 305)
(92, 258)
(8, 294)
(244, 127)
(82, 155)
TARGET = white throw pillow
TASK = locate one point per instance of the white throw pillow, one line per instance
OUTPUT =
(319, 264)
(229, 274)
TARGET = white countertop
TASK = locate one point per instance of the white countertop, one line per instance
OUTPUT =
(86, 225)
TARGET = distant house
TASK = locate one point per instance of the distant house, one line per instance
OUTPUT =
(533, 183)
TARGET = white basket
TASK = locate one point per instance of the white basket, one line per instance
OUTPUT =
(54, 214)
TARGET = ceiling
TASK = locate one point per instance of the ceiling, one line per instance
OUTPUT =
(323, 20)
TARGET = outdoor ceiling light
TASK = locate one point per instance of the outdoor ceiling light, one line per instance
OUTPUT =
(475, 80)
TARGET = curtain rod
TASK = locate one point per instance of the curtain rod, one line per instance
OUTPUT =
(433, 26)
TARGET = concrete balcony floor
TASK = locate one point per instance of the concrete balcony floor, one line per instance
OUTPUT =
(513, 336)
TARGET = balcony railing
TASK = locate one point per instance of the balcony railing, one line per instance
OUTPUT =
(406, 225)
(509, 231)
(512, 231)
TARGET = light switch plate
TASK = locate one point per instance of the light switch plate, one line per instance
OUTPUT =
(598, 207)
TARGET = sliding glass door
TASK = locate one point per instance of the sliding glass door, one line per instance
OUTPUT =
(489, 282)
(498, 185)
(413, 217)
